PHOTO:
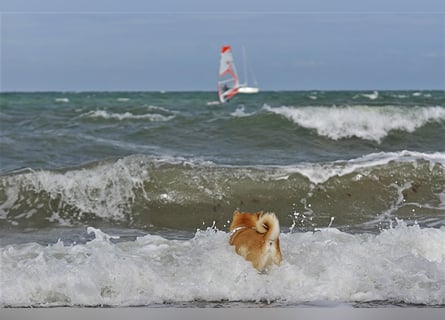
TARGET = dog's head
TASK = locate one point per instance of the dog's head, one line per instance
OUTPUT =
(245, 219)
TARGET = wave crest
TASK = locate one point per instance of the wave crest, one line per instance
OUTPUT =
(142, 192)
(154, 114)
(364, 122)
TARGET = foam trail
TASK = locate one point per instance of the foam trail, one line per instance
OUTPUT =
(126, 116)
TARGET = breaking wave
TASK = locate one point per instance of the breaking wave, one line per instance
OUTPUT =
(144, 192)
(364, 122)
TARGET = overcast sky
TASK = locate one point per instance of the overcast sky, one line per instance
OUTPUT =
(175, 44)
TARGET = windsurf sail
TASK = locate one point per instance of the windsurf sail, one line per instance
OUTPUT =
(228, 83)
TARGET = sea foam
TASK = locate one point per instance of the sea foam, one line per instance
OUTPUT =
(126, 116)
(404, 264)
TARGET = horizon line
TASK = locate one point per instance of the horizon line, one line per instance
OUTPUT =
(209, 91)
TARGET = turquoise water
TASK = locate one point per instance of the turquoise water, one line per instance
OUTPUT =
(56, 130)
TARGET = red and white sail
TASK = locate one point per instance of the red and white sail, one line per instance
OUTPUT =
(228, 82)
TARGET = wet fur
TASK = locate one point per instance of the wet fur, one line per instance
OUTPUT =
(256, 238)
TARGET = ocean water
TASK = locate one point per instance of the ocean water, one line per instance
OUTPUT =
(125, 198)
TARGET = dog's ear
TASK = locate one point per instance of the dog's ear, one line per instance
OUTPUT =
(259, 214)
(236, 212)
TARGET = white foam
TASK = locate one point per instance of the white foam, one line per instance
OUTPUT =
(240, 113)
(372, 96)
(127, 115)
(402, 264)
(365, 122)
(62, 100)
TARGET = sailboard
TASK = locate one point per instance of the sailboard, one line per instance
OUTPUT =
(228, 82)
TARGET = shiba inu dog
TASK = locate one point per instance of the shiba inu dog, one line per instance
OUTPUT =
(256, 238)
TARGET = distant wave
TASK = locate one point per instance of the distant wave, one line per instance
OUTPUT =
(365, 122)
(371, 96)
(127, 115)
(240, 112)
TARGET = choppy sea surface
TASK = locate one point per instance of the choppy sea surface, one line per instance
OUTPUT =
(125, 198)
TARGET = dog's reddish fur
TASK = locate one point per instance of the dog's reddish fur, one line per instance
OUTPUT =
(256, 238)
